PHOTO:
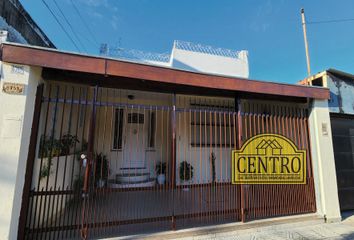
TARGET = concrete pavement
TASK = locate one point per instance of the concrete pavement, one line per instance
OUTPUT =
(305, 227)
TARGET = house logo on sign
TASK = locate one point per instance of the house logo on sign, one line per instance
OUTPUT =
(269, 145)
(269, 159)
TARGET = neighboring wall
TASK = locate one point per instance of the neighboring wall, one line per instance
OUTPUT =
(342, 94)
(20, 26)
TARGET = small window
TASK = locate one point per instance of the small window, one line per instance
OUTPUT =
(118, 128)
(317, 82)
(152, 129)
(212, 125)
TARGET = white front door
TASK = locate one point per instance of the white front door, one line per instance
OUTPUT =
(135, 140)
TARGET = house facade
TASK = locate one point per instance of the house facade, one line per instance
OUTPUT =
(341, 109)
(96, 147)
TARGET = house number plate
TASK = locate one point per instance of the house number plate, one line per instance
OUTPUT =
(13, 88)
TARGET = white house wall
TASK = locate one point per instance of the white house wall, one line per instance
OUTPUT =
(16, 115)
(209, 63)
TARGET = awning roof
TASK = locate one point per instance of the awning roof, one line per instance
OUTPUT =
(118, 70)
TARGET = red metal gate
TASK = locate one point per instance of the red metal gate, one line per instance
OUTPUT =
(260, 201)
(99, 152)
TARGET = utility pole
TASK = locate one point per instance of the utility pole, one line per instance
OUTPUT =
(306, 43)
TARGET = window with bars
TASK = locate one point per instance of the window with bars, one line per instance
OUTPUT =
(212, 125)
(118, 129)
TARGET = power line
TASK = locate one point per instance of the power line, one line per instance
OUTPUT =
(83, 20)
(332, 21)
(62, 27)
(70, 26)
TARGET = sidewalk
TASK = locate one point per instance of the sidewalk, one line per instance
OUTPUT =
(311, 230)
(305, 227)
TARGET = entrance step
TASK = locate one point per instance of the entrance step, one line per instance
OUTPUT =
(134, 170)
(150, 182)
(132, 177)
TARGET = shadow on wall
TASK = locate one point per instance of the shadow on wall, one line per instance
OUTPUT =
(7, 171)
(180, 65)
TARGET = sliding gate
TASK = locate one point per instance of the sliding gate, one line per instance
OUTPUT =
(108, 162)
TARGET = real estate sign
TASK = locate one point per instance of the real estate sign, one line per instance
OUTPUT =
(269, 159)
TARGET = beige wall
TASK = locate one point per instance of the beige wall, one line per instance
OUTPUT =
(16, 114)
(59, 118)
(323, 162)
(104, 127)
(200, 156)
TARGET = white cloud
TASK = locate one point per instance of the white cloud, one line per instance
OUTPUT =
(95, 14)
(95, 3)
(114, 22)
(260, 23)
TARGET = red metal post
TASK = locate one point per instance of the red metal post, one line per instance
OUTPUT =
(90, 146)
(239, 144)
(173, 165)
(30, 163)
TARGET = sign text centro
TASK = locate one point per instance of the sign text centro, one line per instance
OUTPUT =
(269, 159)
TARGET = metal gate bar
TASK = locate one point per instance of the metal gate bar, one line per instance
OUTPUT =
(126, 136)
(279, 199)
(54, 170)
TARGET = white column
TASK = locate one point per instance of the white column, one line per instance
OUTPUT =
(323, 162)
(16, 115)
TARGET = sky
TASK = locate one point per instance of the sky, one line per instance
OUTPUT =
(270, 30)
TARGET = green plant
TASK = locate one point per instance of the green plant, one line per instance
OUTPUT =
(67, 142)
(101, 167)
(213, 158)
(45, 171)
(160, 168)
(185, 171)
(50, 147)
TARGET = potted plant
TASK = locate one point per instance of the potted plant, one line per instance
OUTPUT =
(101, 170)
(68, 141)
(48, 149)
(185, 173)
(161, 172)
(51, 147)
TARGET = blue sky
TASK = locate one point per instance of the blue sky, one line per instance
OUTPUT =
(269, 29)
